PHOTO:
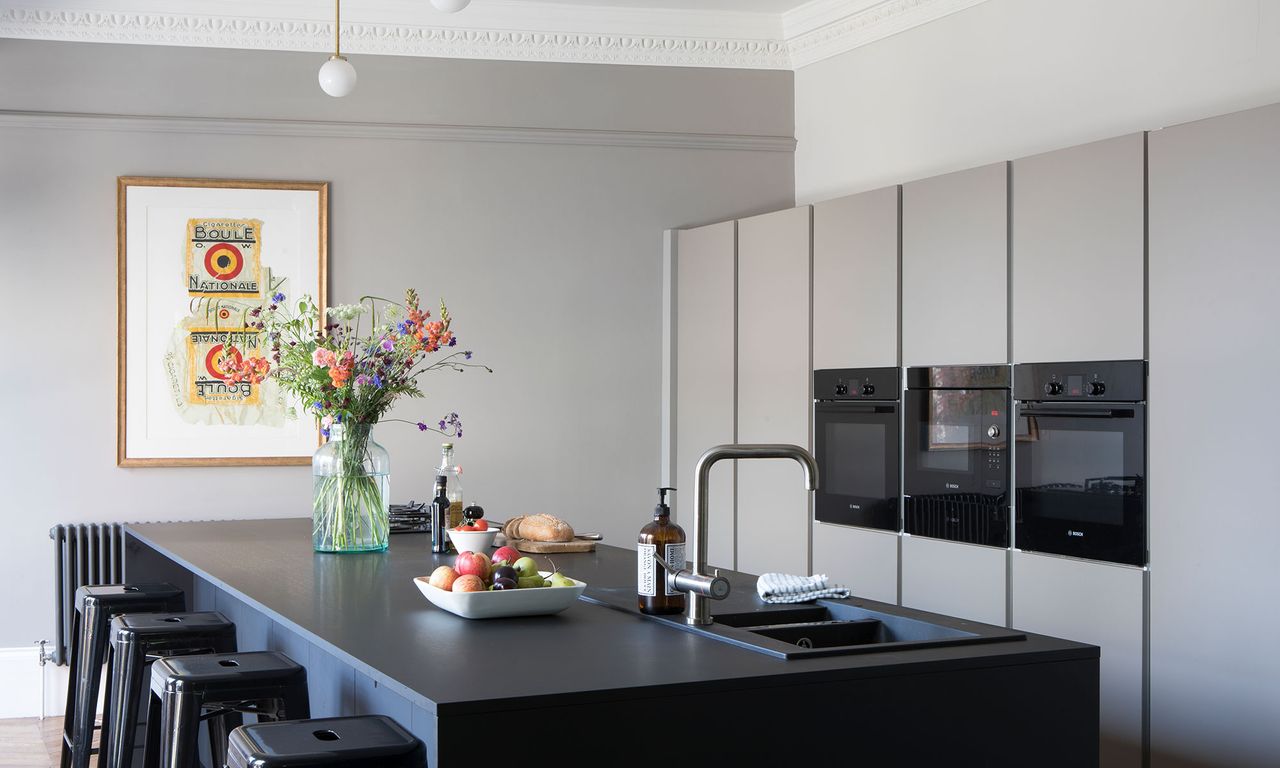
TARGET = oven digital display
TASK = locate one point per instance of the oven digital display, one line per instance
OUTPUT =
(1075, 386)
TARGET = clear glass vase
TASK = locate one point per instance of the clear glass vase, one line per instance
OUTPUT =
(351, 492)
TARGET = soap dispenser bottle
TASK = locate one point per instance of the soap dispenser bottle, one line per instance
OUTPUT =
(665, 538)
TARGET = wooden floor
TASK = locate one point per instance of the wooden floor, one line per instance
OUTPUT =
(30, 742)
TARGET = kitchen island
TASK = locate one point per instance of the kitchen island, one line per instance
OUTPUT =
(597, 685)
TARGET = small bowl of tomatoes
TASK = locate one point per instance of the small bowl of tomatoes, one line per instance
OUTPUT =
(474, 535)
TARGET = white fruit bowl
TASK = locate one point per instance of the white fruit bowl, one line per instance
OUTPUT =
(535, 601)
(472, 541)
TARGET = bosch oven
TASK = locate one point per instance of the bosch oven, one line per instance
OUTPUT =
(1081, 460)
(855, 433)
(956, 467)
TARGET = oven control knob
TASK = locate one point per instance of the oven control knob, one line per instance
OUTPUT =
(1053, 388)
(868, 389)
(1097, 388)
(842, 389)
(993, 431)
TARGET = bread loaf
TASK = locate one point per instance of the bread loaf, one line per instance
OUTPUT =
(538, 528)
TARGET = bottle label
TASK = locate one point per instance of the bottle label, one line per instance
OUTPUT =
(675, 558)
(646, 570)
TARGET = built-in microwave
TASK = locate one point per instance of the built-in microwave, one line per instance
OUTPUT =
(1081, 460)
(855, 435)
(956, 455)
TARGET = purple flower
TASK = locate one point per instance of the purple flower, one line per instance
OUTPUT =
(277, 298)
(363, 380)
(388, 345)
(453, 341)
(466, 355)
(403, 326)
(377, 381)
(442, 423)
(317, 405)
(325, 432)
(422, 427)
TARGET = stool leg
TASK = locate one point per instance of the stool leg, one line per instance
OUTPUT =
(87, 655)
(179, 730)
(220, 729)
(69, 718)
(295, 704)
(126, 686)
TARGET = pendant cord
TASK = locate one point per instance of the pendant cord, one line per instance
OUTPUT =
(337, 28)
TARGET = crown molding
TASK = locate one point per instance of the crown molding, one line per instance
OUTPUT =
(493, 29)
(330, 129)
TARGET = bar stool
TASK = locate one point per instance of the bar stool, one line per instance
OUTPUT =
(96, 606)
(137, 640)
(374, 741)
(217, 688)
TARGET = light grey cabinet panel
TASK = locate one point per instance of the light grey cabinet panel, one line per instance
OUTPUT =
(705, 354)
(955, 579)
(1078, 252)
(1094, 603)
(1214, 274)
(855, 280)
(863, 560)
(774, 400)
(955, 268)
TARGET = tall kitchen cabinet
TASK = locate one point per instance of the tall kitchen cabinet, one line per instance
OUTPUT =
(1078, 253)
(955, 289)
(1214, 276)
(774, 388)
(705, 300)
(1078, 256)
(855, 325)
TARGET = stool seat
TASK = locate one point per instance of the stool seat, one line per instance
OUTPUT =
(137, 641)
(216, 689)
(96, 606)
(351, 742)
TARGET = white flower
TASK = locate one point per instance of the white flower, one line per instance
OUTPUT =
(392, 313)
(345, 313)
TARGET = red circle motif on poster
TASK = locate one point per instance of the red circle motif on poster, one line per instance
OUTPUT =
(213, 361)
(223, 261)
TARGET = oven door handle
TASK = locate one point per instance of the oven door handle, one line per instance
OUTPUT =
(855, 408)
(1078, 413)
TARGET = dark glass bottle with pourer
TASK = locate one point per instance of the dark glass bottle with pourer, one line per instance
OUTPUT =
(665, 538)
(440, 517)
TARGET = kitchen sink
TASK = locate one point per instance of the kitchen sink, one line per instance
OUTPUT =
(824, 628)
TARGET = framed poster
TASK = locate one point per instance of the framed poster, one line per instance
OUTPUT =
(196, 257)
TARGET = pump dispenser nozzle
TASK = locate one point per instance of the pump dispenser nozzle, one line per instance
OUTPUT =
(662, 508)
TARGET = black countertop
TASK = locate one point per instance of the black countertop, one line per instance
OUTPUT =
(366, 611)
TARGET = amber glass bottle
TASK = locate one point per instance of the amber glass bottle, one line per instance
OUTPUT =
(665, 538)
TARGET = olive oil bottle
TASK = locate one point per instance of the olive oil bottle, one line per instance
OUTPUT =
(665, 538)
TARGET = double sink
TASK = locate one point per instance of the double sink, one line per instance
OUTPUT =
(823, 628)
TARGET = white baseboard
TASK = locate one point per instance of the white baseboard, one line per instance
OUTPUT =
(21, 689)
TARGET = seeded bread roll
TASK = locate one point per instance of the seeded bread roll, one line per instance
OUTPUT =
(538, 528)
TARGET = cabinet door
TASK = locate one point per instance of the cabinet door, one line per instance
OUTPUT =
(1078, 252)
(861, 559)
(1094, 603)
(855, 280)
(1214, 312)
(962, 580)
(705, 266)
(774, 384)
(955, 268)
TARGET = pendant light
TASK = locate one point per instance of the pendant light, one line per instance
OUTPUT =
(450, 6)
(337, 76)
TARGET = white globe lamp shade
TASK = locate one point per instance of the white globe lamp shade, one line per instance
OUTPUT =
(450, 6)
(338, 77)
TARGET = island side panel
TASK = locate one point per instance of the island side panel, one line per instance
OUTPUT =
(1041, 714)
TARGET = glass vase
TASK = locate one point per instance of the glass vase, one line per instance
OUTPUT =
(351, 492)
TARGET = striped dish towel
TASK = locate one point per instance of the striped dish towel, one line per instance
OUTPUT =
(786, 588)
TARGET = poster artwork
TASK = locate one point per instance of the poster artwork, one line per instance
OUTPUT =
(223, 258)
(209, 351)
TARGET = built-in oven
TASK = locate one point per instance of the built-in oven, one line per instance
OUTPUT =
(956, 455)
(1082, 460)
(855, 435)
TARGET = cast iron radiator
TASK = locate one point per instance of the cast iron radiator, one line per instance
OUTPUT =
(83, 554)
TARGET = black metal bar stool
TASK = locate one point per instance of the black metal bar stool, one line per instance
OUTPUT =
(137, 640)
(374, 741)
(96, 606)
(217, 689)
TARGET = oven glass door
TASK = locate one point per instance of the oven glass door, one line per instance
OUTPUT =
(1081, 480)
(856, 447)
(956, 472)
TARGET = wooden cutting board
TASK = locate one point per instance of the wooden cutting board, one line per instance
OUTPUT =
(552, 547)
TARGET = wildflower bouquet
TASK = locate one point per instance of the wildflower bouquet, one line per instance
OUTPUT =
(348, 381)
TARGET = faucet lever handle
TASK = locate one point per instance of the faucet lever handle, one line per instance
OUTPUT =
(715, 587)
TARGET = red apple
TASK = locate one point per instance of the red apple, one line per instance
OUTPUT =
(468, 583)
(473, 564)
(443, 577)
(509, 554)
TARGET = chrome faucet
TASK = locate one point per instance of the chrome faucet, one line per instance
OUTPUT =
(698, 585)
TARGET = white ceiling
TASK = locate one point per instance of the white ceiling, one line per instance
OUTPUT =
(757, 34)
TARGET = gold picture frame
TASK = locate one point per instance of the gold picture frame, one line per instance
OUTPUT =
(155, 216)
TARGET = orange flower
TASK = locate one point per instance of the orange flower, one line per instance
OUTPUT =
(339, 376)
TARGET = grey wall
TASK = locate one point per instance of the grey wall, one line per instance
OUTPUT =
(549, 256)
